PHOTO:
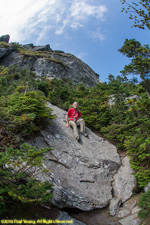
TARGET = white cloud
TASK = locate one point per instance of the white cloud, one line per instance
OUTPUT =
(76, 25)
(79, 13)
(16, 16)
(97, 34)
(25, 19)
(80, 10)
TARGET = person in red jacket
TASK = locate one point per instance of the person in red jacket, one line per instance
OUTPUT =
(74, 119)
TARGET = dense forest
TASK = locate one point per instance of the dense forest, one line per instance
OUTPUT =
(118, 109)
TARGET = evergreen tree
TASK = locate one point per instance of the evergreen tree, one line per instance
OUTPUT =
(139, 12)
(140, 62)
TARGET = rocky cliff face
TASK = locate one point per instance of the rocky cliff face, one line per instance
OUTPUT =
(46, 62)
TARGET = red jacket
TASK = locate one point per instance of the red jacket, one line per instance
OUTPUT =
(74, 113)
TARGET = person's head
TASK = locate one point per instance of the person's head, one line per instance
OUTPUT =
(75, 105)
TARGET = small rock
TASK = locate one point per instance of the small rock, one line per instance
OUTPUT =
(136, 210)
(28, 46)
(59, 51)
(123, 213)
(5, 38)
(63, 216)
(130, 220)
(114, 206)
(146, 188)
(130, 204)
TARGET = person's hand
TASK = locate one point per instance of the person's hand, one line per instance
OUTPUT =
(67, 125)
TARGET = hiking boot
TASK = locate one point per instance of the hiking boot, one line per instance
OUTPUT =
(78, 138)
(84, 134)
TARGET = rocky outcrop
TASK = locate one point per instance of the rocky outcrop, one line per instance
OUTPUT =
(46, 62)
(5, 38)
(38, 48)
(4, 52)
(82, 173)
(61, 65)
(112, 99)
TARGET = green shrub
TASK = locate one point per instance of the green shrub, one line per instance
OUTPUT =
(25, 112)
(4, 44)
(22, 112)
(18, 168)
(144, 203)
(40, 54)
(12, 77)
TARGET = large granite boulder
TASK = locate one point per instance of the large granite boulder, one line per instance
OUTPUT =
(82, 173)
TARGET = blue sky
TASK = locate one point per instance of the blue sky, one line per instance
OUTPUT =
(92, 30)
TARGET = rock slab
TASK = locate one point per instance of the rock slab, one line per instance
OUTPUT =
(82, 173)
(124, 181)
